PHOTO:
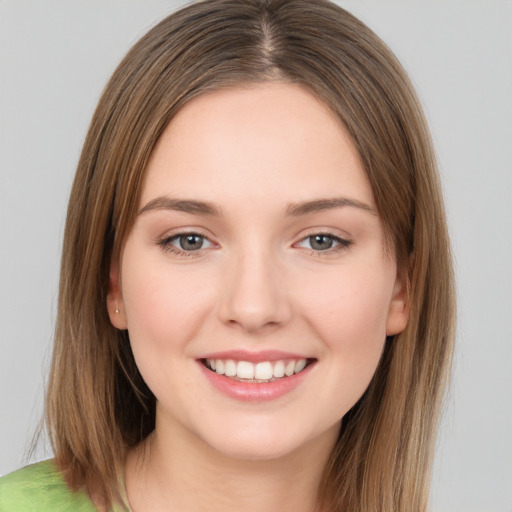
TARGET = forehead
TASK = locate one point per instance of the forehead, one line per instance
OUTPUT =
(273, 139)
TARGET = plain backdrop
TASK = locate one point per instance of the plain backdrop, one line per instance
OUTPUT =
(55, 57)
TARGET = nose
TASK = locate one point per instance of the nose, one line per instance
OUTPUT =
(255, 298)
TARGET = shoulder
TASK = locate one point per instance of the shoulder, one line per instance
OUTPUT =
(40, 488)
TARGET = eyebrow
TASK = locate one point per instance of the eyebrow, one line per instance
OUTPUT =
(181, 205)
(294, 209)
(320, 205)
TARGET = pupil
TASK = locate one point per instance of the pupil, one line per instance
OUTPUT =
(191, 242)
(321, 242)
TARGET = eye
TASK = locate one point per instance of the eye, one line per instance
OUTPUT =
(190, 241)
(185, 243)
(323, 242)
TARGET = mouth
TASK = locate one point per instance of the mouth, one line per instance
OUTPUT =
(260, 372)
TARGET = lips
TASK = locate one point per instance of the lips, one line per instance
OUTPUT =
(259, 376)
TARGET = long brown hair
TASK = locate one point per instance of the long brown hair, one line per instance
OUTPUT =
(98, 406)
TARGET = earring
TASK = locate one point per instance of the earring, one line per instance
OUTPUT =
(117, 307)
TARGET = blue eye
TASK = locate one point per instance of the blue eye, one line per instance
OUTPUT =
(323, 242)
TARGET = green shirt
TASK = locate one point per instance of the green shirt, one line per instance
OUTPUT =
(41, 488)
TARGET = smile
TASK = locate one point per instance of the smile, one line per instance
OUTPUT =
(256, 376)
(263, 371)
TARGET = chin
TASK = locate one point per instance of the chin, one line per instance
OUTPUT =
(266, 443)
(255, 450)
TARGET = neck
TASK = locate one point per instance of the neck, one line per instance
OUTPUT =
(171, 472)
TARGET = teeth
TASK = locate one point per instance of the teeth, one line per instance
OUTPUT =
(289, 369)
(300, 365)
(263, 371)
(279, 369)
(230, 368)
(245, 370)
(219, 366)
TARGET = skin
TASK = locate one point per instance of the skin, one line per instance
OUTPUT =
(257, 283)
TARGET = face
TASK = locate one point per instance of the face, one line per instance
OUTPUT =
(254, 284)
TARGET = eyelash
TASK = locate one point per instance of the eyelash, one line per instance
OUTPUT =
(167, 246)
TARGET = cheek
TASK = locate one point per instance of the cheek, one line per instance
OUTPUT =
(164, 311)
(163, 308)
(349, 317)
(351, 308)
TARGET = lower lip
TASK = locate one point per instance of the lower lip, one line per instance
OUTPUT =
(255, 391)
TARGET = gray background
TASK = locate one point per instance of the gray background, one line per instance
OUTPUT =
(55, 57)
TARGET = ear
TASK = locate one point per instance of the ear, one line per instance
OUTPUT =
(398, 312)
(115, 305)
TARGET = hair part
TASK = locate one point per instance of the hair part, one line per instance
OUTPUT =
(98, 405)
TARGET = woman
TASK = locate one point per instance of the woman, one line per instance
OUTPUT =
(256, 299)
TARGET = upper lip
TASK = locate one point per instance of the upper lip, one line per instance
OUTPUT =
(254, 357)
